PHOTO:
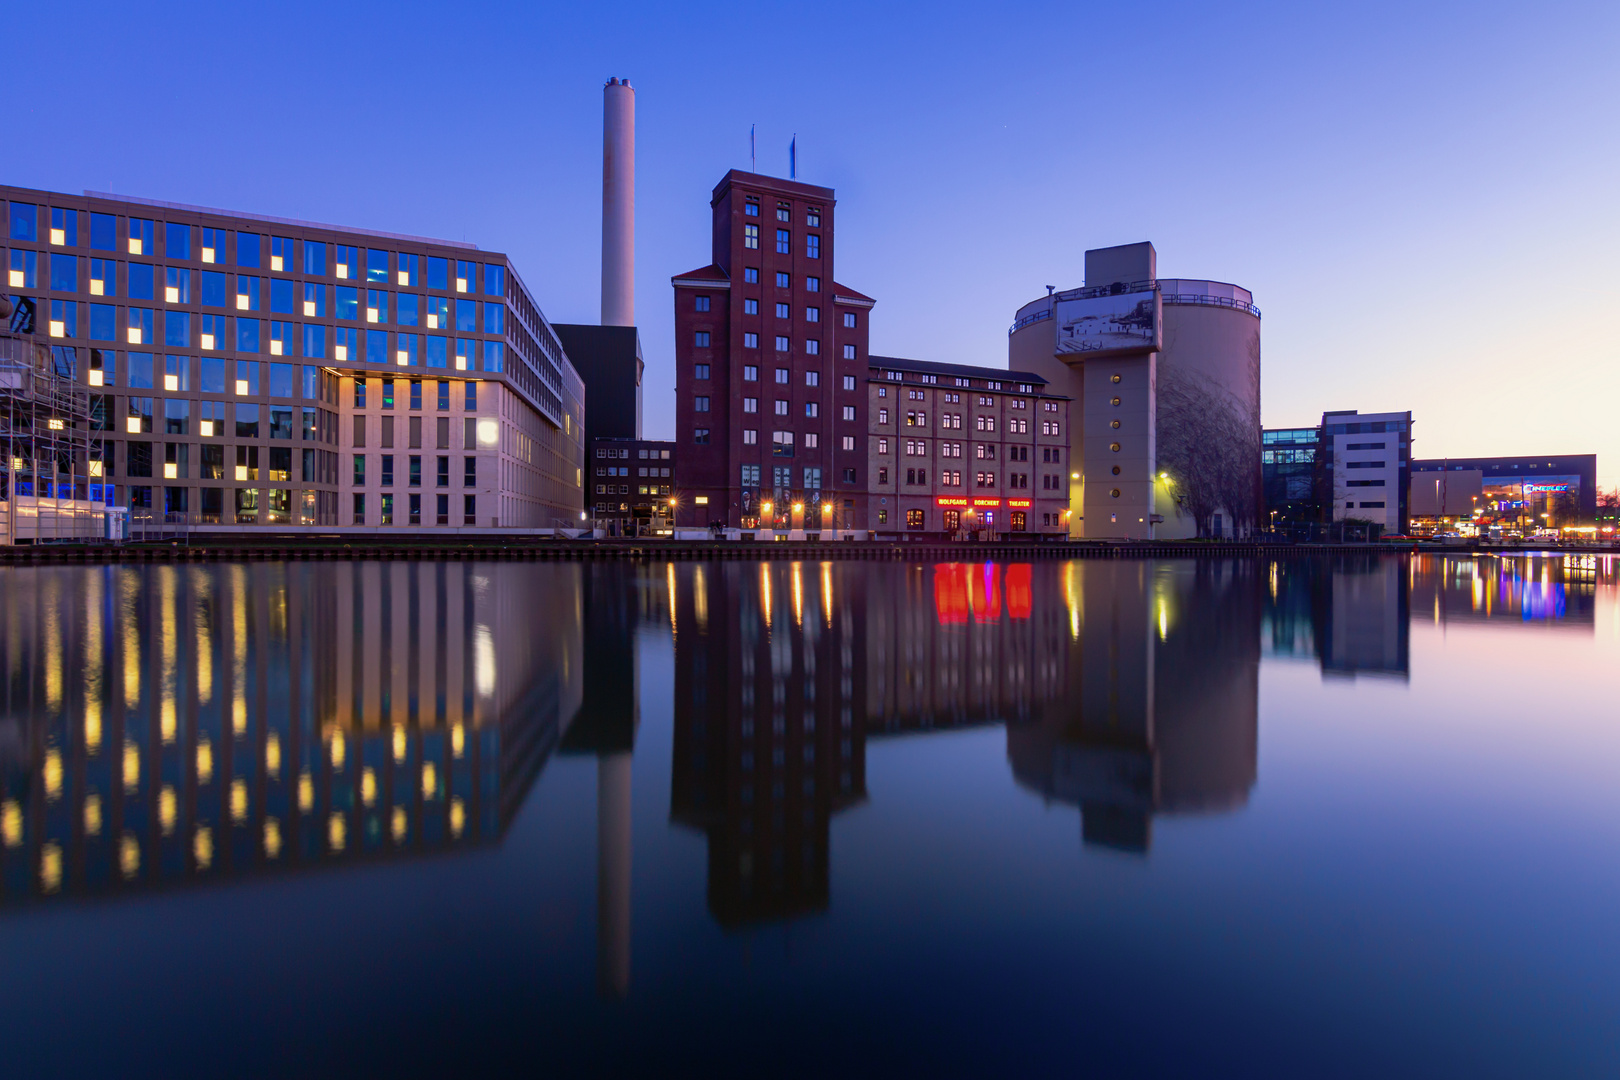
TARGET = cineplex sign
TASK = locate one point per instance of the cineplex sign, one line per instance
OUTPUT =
(964, 502)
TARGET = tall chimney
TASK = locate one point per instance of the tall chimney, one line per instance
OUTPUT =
(618, 204)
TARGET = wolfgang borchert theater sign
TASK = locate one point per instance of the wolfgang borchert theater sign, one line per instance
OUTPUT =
(1116, 322)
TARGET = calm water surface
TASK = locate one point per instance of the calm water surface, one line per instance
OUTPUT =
(1331, 817)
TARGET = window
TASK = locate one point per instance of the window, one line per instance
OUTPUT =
(700, 436)
(751, 275)
(883, 476)
(438, 273)
(812, 410)
(783, 311)
(783, 281)
(140, 233)
(782, 376)
(781, 407)
(465, 273)
(104, 232)
(700, 339)
(750, 436)
(700, 371)
(782, 443)
(700, 303)
(883, 446)
(247, 291)
(376, 265)
(812, 284)
(751, 208)
(494, 319)
(812, 347)
(469, 471)
(883, 416)
(700, 404)
(750, 341)
(784, 242)
(812, 378)
(812, 246)
(750, 236)
(750, 404)
(782, 344)
(914, 519)
(847, 442)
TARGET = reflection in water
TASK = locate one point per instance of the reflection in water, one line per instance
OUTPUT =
(1161, 714)
(1127, 689)
(1349, 612)
(270, 715)
(1552, 590)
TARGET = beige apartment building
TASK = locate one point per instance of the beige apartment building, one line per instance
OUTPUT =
(248, 372)
(958, 449)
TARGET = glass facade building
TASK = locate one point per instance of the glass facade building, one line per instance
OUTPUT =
(248, 371)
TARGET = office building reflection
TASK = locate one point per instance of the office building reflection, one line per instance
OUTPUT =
(1160, 712)
(170, 724)
(1350, 613)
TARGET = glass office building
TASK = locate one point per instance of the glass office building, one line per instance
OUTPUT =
(249, 371)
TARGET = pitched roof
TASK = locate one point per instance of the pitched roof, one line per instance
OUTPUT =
(712, 272)
(961, 371)
(842, 291)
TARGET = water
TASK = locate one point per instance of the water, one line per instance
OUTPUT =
(1330, 817)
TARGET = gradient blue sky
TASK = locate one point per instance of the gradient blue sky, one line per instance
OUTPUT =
(1422, 197)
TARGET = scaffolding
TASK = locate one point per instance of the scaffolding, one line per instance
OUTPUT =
(50, 470)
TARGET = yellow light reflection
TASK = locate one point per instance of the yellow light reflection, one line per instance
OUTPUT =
(669, 579)
(205, 761)
(765, 604)
(132, 767)
(458, 818)
(53, 774)
(272, 755)
(484, 661)
(826, 592)
(50, 867)
(458, 740)
(202, 847)
(239, 800)
(700, 597)
(11, 823)
(92, 814)
(339, 752)
(1071, 599)
(397, 824)
(239, 718)
(430, 780)
(399, 743)
(166, 720)
(168, 809)
(797, 577)
(306, 792)
(337, 831)
(368, 786)
(129, 855)
(92, 726)
(272, 838)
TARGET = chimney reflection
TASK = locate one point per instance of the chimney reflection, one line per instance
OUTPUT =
(365, 710)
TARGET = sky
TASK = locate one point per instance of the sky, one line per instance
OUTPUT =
(1422, 197)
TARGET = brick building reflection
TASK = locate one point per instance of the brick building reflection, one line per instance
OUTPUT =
(173, 724)
(1160, 712)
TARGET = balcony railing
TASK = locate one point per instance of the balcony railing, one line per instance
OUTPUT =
(1134, 286)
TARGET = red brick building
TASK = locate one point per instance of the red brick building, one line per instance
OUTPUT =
(771, 362)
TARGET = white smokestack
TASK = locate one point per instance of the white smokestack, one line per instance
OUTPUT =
(618, 204)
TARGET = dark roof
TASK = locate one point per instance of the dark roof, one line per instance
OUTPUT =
(712, 272)
(844, 290)
(961, 371)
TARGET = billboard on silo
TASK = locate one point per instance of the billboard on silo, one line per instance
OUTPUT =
(1119, 322)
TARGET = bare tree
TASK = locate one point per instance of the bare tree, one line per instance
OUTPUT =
(1210, 446)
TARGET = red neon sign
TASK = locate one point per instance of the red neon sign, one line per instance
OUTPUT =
(1018, 502)
(986, 502)
(950, 500)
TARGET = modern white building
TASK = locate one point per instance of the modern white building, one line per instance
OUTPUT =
(1367, 463)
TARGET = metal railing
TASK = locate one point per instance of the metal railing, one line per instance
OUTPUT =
(1094, 292)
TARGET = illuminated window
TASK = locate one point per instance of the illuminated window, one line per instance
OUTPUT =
(140, 236)
(281, 253)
